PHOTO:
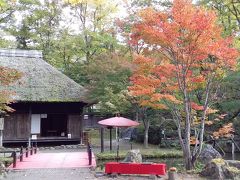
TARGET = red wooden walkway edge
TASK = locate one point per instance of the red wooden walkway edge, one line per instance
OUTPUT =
(55, 160)
(135, 168)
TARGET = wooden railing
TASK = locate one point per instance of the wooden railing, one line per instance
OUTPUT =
(23, 151)
(89, 151)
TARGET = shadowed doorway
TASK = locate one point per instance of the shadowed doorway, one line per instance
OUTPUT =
(54, 125)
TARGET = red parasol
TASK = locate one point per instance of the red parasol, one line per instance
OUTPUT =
(118, 122)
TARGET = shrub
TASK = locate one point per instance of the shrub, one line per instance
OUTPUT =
(154, 135)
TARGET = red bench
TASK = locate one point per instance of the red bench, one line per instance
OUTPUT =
(135, 168)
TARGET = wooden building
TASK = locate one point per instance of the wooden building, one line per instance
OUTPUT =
(48, 105)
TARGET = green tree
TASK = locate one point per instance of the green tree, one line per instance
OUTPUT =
(95, 26)
(227, 96)
(108, 82)
(39, 25)
(6, 12)
(228, 11)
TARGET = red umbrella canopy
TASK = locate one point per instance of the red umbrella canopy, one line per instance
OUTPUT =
(118, 122)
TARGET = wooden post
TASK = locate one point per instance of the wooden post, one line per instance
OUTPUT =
(35, 149)
(102, 139)
(14, 154)
(110, 138)
(31, 150)
(117, 146)
(171, 175)
(233, 151)
(21, 154)
(26, 151)
(90, 154)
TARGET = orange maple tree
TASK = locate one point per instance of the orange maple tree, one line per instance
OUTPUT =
(7, 77)
(226, 131)
(183, 52)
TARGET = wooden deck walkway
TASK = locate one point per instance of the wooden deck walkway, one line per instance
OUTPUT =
(55, 160)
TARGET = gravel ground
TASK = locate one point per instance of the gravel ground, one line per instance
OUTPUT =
(50, 174)
(82, 174)
(68, 174)
(78, 173)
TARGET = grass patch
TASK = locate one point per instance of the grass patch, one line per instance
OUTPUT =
(146, 153)
(94, 136)
(7, 161)
(95, 133)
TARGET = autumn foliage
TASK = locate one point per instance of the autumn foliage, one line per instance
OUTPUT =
(191, 47)
(183, 52)
(7, 77)
(225, 132)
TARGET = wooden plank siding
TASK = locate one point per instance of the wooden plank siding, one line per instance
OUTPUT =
(16, 126)
(74, 125)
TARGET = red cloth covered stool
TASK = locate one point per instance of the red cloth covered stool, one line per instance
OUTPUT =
(135, 168)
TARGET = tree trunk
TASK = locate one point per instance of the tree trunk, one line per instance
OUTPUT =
(143, 116)
(187, 134)
(189, 165)
(137, 113)
(146, 129)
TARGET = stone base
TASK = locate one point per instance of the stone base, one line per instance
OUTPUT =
(133, 156)
(222, 169)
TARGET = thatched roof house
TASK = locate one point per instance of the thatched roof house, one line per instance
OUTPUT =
(48, 103)
(41, 82)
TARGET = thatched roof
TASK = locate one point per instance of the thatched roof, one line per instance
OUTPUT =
(40, 82)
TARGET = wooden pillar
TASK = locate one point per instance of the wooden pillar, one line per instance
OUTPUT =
(110, 138)
(14, 154)
(21, 154)
(30, 119)
(81, 128)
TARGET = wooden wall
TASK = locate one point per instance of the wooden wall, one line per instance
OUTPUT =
(74, 125)
(16, 126)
